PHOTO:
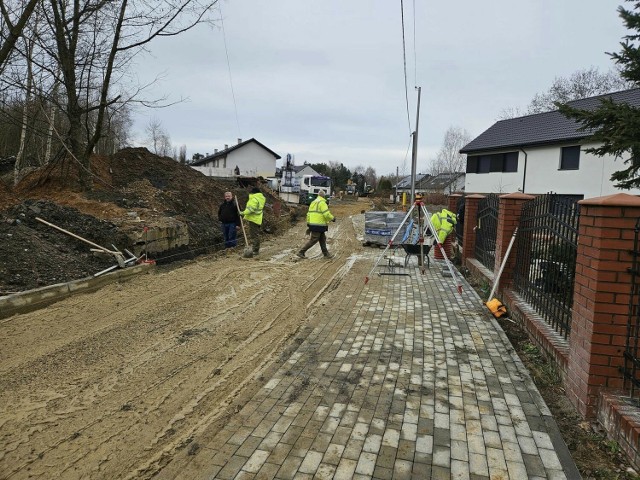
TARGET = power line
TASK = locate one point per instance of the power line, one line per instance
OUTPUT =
(404, 58)
(226, 51)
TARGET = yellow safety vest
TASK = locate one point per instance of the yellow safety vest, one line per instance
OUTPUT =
(319, 215)
(444, 223)
(254, 208)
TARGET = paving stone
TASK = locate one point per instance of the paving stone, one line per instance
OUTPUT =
(405, 382)
(311, 462)
(289, 467)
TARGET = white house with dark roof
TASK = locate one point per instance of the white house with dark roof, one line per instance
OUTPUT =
(543, 153)
(246, 159)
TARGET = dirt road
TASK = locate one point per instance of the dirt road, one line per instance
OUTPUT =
(113, 383)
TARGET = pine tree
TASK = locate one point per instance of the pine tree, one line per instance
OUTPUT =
(617, 125)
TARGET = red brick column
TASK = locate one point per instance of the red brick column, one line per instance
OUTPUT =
(600, 298)
(509, 212)
(453, 202)
(470, 223)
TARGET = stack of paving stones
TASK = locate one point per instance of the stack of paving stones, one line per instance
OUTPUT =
(411, 380)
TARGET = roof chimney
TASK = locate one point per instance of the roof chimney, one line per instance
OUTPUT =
(215, 150)
(239, 141)
(226, 146)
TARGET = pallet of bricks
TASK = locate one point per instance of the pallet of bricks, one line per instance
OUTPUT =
(379, 227)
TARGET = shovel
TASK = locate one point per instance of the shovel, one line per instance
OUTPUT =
(248, 252)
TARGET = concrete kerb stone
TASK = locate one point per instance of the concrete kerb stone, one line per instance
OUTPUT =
(31, 300)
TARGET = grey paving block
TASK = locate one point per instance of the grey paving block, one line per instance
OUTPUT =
(410, 380)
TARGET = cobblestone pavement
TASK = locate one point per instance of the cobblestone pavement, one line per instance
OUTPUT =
(410, 380)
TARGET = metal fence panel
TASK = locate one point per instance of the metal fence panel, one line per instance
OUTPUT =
(460, 207)
(486, 231)
(546, 250)
(631, 367)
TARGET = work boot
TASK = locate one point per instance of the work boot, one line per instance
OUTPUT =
(329, 256)
(300, 255)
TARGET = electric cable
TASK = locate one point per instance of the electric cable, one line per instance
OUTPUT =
(226, 51)
(404, 58)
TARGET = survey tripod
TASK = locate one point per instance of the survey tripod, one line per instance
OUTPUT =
(424, 218)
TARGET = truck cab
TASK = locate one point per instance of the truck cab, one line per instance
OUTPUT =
(311, 185)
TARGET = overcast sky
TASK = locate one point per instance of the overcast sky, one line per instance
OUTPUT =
(324, 80)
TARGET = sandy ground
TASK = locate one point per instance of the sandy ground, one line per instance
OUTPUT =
(114, 383)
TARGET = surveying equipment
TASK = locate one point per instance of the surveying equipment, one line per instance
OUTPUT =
(424, 218)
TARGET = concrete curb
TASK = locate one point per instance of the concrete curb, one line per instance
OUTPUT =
(31, 300)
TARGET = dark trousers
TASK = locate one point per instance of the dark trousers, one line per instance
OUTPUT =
(315, 238)
(229, 233)
(254, 237)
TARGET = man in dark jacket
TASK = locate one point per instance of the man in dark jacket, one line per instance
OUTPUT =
(230, 219)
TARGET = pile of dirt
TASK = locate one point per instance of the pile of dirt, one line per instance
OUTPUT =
(36, 255)
(132, 189)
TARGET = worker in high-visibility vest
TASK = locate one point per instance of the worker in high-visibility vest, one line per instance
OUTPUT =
(444, 222)
(253, 215)
(318, 218)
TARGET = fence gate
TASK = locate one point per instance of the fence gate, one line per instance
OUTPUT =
(487, 230)
(630, 369)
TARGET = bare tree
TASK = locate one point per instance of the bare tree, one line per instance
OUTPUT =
(370, 176)
(14, 17)
(580, 84)
(182, 156)
(158, 138)
(449, 159)
(25, 112)
(94, 41)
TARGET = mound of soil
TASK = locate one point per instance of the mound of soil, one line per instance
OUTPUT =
(37, 255)
(132, 189)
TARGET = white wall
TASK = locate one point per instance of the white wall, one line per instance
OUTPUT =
(544, 175)
(251, 159)
(214, 172)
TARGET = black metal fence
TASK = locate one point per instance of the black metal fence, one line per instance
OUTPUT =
(486, 231)
(460, 204)
(546, 248)
(630, 369)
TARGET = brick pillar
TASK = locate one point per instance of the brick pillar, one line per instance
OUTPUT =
(453, 202)
(600, 298)
(509, 211)
(470, 223)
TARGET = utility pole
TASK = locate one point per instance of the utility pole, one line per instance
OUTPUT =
(414, 153)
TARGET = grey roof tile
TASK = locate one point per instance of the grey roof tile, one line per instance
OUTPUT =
(542, 128)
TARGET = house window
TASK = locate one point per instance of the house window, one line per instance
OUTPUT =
(498, 162)
(484, 164)
(570, 158)
(472, 164)
(510, 162)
